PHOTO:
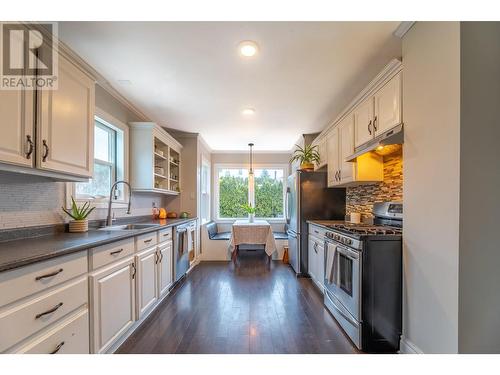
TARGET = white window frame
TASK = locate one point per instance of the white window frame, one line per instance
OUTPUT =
(206, 163)
(121, 171)
(215, 181)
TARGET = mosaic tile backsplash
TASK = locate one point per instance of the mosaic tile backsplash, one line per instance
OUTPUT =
(361, 198)
(32, 201)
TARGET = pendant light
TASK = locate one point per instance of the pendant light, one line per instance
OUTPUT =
(251, 180)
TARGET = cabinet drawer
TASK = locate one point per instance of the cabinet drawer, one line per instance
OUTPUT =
(317, 232)
(164, 235)
(24, 319)
(146, 240)
(34, 278)
(70, 336)
(102, 255)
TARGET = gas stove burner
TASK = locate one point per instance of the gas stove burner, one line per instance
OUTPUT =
(366, 229)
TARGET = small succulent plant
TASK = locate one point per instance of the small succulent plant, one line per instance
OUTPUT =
(79, 213)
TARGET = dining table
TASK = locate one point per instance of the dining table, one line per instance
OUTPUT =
(256, 232)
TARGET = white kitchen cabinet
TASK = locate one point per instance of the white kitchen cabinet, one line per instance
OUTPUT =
(65, 123)
(388, 105)
(322, 151)
(165, 268)
(17, 124)
(367, 167)
(379, 112)
(346, 148)
(155, 159)
(333, 156)
(147, 276)
(113, 303)
(316, 260)
(363, 120)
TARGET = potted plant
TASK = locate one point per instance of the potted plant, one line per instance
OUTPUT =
(80, 223)
(307, 155)
(250, 211)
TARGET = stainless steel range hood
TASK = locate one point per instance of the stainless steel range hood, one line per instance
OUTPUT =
(394, 136)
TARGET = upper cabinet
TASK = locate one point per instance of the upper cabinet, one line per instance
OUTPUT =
(65, 123)
(363, 118)
(155, 159)
(379, 112)
(50, 132)
(388, 105)
(376, 109)
(17, 124)
(332, 145)
(322, 151)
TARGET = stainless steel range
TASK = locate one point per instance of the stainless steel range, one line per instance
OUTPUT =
(363, 278)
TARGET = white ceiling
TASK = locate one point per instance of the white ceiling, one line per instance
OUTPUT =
(189, 75)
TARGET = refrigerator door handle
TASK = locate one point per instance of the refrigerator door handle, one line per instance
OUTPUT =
(287, 213)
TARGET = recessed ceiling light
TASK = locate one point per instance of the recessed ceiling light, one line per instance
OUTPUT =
(248, 48)
(248, 112)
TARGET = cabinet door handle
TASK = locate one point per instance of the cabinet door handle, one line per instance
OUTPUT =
(46, 148)
(375, 123)
(157, 257)
(134, 270)
(148, 241)
(370, 127)
(116, 252)
(161, 257)
(340, 175)
(38, 316)
(48, 275)
(315, 247)
(58, 347)
(31, 146)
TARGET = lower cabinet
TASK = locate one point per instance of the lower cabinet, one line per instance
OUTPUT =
(316, 258)
(113, 303)
(165, 267)
(71, 336)
(147, 276)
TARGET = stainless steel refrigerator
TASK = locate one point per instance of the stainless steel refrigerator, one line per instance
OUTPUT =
(308, 198)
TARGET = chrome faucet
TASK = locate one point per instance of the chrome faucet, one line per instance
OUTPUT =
(109, 219)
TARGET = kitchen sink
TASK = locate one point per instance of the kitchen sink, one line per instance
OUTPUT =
(130, 227)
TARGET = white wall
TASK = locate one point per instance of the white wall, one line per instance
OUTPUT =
(479, 308)
(431, 97)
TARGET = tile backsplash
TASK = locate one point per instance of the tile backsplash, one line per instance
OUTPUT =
(361, 198)
(32, 201)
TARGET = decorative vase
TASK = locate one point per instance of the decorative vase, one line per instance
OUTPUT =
(307, 167)
(79, 226)
(251, 217)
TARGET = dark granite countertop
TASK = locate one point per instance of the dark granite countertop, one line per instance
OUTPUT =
(324, 223)
(24, 251)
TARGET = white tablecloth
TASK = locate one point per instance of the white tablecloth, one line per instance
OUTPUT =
(257, 233)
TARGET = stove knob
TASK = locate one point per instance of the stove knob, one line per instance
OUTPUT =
(348, 241)
(337, 237)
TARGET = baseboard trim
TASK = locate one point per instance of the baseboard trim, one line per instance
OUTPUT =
(408, 347)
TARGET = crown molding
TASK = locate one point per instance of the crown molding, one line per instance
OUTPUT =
(403, 28)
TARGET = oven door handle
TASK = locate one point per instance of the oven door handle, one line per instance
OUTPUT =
(351, 254)
(339, 310)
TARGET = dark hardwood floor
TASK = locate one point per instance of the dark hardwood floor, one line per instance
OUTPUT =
(251, 309)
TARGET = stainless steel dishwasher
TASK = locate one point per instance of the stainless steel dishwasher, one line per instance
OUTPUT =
(183, 244)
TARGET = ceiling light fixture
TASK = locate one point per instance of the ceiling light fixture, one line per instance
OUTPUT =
(248, 48)
(248, 112)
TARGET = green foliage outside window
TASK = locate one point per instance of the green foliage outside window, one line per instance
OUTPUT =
(268, 196)
(233, 195)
